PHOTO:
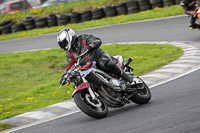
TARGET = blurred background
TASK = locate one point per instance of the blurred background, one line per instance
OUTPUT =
(7, 6)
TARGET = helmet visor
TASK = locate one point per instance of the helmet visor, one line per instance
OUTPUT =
(63, 44)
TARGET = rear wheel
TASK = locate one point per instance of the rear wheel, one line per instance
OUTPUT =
(95, 108)
(143, 96)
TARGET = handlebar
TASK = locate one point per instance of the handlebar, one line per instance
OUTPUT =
(73, 67)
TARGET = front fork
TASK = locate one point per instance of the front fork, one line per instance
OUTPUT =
(90, 91)
(85, 85)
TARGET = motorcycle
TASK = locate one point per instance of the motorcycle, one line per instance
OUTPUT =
(96, 90)
(196, 15)
(197, 12)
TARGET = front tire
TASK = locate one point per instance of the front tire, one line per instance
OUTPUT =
(143, 96)
(94, 108)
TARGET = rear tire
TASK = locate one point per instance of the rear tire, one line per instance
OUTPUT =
(98, 110)
(143, 96)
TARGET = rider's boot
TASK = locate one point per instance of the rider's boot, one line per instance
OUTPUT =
(194, 26)
(129, 80)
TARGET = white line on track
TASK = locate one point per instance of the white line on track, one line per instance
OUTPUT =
(39, 122)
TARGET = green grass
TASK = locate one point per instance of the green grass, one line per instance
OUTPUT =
(156, 13)
(4, 126)
(30, 80)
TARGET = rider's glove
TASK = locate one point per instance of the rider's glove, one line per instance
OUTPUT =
(192, 12)
(65, 79)
(62, 80)
(91, 46)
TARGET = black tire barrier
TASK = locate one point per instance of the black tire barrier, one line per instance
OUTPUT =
(110, 11)
(167, 3)
(52, 20)
(144, 5)
(121, 9)
(6, 26)
(156, 3)
(98, 13)
(132, 7)
(160, 5)
(29, 22)
(30, 27)
(5, 22)
(63, 19)
(177, 2)
(17, 27)
(152, 2)
(6, 31)
(41, 22)
(75, 17)
(86, 15)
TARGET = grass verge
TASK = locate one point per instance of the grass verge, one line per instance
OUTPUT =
(150, 14)
(4, 126)
(30, 80)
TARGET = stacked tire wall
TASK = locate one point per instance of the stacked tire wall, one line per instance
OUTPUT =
(129, 7)
(156, 3)
(144, 5)
(132, 7)
(52, 20)
(5, 26)
(29, 22)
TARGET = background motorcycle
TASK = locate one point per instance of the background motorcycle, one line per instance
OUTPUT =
(96, 90)
(197, 13)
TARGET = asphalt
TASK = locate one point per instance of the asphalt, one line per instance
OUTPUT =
(188, 62)
(174, 108)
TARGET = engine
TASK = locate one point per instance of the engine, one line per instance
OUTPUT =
(116, 85)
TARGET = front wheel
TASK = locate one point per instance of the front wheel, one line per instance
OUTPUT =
(143, 96)
(94, 108)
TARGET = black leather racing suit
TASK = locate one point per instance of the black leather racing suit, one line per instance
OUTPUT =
(187, 11)
(103, 59)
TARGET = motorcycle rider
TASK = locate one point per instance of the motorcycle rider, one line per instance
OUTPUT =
(189, 7)
(74, 45)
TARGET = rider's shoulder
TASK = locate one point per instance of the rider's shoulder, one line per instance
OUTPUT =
(84, 35)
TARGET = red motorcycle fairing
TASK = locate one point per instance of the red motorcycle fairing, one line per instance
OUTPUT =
(87, 66)
(81, 86)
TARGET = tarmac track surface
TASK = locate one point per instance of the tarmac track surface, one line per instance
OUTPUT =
(174, 107)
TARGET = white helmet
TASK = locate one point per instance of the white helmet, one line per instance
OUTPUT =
(66, 38)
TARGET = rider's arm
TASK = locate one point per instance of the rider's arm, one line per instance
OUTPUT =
(70, 61)
(93, 40)
(187, 11)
